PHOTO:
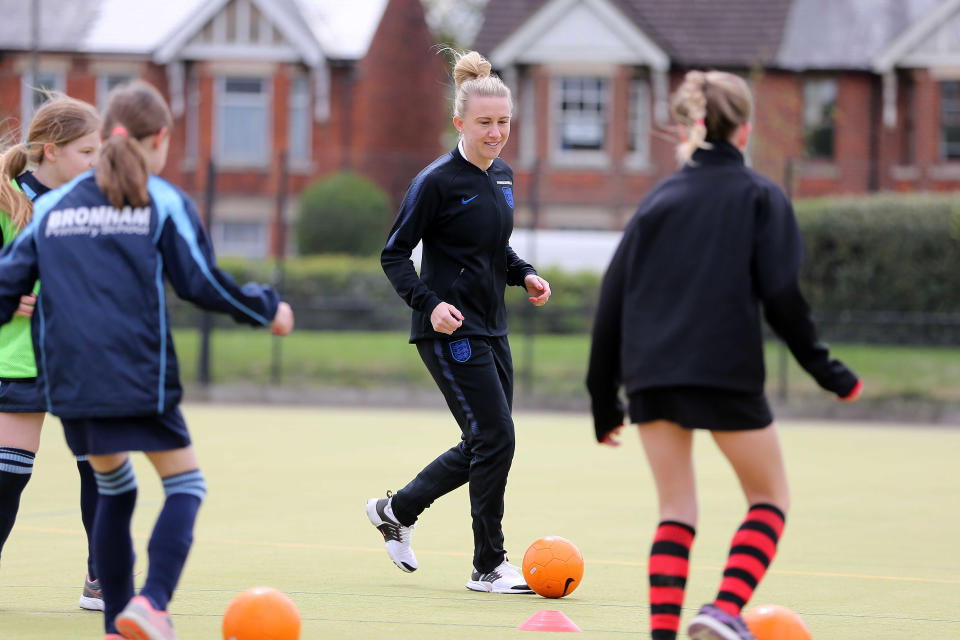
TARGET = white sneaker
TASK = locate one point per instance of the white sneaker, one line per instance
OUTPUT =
(396, 536)
(506, 578)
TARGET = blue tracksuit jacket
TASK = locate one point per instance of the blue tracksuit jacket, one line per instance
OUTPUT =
(100, 329)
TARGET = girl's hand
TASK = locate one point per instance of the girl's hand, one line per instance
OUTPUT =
(27, 304)
(854, 394)
(538, 288)
(283, 321)
(446, 318)
(609, 439)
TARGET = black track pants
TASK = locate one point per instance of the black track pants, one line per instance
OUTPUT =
(475, 376)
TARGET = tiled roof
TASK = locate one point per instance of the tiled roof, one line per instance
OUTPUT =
(742, 33)
(342, 29)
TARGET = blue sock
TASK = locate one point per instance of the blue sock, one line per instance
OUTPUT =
(16, 466)
(112, 544)
(172, 536)
(88, 508)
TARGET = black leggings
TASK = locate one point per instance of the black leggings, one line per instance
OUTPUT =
(475, 376)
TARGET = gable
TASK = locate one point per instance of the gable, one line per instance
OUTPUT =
(578, 31)
(242, 30)
(941, 47)
(932, 42)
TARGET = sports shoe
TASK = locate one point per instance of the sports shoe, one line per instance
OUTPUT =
(506, 578)
(396, 536)
(92, 597)
(113, 636)
(713, 623)
(140, 621)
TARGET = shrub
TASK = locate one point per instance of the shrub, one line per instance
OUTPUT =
(888, 252)
(343, 213)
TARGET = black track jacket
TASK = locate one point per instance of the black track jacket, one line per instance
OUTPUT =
(679, 304)
(464, 215)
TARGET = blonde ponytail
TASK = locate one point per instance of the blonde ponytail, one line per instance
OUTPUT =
(711, 105)
(12, 200)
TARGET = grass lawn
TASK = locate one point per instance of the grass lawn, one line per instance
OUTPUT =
(361, 359)
(869, 551)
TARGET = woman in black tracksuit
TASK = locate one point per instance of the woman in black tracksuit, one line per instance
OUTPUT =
(678, 324)
(461, 207)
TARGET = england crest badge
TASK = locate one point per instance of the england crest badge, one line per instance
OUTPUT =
(508, 194)
(461, 350)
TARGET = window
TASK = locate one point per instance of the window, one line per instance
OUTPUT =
(33, 94)
(819, 117)
(638, 125)
(243, 239)
(950, 120)
(107, 83)
(243, 122)
(582, 115)
(299, 131)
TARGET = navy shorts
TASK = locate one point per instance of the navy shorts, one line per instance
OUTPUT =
(100, 436)
(701, 408)
(21, 395)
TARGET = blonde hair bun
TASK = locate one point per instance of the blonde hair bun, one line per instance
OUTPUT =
(470, 66)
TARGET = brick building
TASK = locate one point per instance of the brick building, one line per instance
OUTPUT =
(330, 85)
(853, 96)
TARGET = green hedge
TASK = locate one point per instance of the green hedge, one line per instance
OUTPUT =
(878, 269)
(888, 252)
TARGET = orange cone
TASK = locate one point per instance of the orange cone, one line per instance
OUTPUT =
(549, 620)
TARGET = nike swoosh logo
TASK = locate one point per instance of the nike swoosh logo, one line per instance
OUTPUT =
(467, 200)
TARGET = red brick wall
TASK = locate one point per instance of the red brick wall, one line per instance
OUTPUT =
(399, 101)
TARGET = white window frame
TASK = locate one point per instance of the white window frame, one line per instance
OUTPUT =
(589, 158)
(640, 123)
(254, 247)
(27, 108)
(191, 147)
(298, 104)
(264, 99)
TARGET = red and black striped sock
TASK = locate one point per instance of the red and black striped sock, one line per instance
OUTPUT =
(668, 569)
(751, 552)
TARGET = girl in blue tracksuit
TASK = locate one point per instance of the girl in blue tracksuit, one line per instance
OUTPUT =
(61, 142)
(103, 245)
(461, 207)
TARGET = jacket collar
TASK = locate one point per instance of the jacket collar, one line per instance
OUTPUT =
(459, 153)
(30, 186)
(721, 152)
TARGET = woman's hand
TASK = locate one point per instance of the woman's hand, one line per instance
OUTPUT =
(27, 304)
(283, 320)
(446, 318)
(538, 288)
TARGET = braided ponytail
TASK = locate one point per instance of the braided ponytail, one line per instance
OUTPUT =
(711, 105)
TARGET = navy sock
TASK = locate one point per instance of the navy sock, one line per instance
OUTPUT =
(112, 544)
(16, 466)
(88, 508)
(172, 536)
